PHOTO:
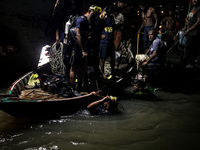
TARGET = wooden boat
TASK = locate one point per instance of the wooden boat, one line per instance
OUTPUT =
(17, 101)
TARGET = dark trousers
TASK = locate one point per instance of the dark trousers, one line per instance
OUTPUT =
(146, 41)
(191, 50)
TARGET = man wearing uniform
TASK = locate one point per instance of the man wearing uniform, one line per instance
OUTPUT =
(107, 45)
(80, 34)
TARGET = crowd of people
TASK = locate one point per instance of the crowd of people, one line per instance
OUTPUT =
(90, 40)
(97, 34)
(159, 43)
(85, 42)
(191, 30)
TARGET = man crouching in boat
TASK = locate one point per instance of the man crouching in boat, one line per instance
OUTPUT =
(153, 55)
(106, 105)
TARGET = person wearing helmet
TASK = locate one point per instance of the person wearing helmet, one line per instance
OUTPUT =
(81, 34)
(106, 105)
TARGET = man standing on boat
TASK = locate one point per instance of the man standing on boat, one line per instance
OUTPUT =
(80, 35)
(107, 45)
(192, 34)
(119, 22)
(149, 21)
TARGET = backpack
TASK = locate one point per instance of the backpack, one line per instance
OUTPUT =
(70, 28)
(56, 84)
(70, 24)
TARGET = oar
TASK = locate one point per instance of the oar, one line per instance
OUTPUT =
(175, 43)
(6, 94)
(173, 46)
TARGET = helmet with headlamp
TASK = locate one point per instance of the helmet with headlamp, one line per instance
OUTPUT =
(96, 9)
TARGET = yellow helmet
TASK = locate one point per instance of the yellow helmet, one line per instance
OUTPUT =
(113, 98)
(96, 9)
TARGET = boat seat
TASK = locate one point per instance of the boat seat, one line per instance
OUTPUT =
(154, 71)
(154, 66)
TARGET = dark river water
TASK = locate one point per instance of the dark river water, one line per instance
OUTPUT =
(169, 122)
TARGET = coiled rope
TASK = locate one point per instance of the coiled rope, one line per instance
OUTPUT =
(56, 60)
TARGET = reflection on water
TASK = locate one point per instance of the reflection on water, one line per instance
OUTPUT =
(169, 123)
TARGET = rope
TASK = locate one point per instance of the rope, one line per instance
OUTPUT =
(190, 3)
(56, 60)
(138, 38)
(57, 1)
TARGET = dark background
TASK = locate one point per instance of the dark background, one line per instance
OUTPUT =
(24, 22)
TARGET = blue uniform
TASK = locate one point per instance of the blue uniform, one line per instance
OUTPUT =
(106, 44)
(83, 25)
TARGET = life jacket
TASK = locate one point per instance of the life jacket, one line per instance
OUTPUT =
(34, 80)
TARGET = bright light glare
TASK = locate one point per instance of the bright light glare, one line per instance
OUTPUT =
(44, 56)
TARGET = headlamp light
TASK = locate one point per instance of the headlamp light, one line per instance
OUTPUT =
(113, 98)
(96, 9)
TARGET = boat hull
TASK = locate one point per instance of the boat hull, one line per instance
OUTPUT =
(16, 104)
(48, 108)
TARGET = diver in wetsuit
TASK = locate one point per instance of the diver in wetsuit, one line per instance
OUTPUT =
(106, 105)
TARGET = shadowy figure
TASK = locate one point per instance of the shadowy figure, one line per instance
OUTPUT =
(192, 35)
(149, 21)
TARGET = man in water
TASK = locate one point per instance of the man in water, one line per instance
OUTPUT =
(106, 105)
(149, 21)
